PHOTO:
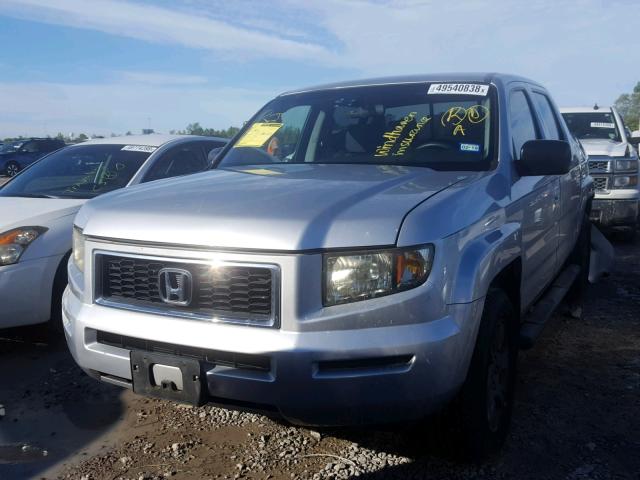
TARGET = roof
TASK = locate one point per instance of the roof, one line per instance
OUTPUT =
(484, 77)
(152, 140)
(602, 108)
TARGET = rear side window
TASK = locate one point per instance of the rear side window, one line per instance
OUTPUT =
(180, 160)
(548, 116)
(31, 147)
(523, 127)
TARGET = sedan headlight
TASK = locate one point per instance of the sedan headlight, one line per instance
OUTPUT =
(627, 165)
(78, 249)
(14, 243)
(625, 181)
(359, 276)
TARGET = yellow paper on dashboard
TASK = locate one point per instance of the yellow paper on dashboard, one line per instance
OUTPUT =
(258, 134)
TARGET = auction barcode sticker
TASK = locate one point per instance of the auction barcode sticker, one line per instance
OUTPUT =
(458, 88)
(139, 148)
(602, 125)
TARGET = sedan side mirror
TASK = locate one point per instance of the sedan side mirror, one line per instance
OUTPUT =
(544, 157)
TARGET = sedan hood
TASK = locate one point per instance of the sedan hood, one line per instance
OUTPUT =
(34, 212)
(281, 208)
(604, 148)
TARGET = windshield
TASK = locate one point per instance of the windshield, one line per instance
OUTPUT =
(11, 147)
(592, 125)
(78, 172)
(411, 124)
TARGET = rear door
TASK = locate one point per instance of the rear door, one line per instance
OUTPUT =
(569, 207)
(539, 200)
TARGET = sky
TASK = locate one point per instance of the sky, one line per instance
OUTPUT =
(112, 66)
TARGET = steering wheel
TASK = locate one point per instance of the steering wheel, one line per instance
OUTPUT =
(435, 144)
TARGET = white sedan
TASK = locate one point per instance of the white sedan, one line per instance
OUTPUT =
(37, 208)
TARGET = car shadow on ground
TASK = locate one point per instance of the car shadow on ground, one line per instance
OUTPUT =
(50, 410)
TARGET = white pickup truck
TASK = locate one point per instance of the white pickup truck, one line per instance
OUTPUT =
(613, 163)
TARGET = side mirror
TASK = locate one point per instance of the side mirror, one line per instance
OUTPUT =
(634, 139)
(544, 157)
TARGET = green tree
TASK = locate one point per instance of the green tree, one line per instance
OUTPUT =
(628, 104)
(195, 129)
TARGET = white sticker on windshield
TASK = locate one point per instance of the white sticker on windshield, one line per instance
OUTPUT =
(139, 148)
(469, 147)
(458, 89)
(602, 125)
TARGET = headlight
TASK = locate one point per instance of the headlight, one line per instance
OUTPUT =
(78, 249)
(354, 277)
(627, 165)
(14, 242)
(625, 181)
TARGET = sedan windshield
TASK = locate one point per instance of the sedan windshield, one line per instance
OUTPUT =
(406, 124)
(592, 125)
(79, 172)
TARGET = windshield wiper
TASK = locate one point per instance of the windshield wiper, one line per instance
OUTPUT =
(33, 195)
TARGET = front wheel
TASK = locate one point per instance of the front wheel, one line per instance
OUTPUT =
(12, 169)
(484, 406)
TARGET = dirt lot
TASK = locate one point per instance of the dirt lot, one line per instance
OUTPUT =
(576, 416)
(3, 180)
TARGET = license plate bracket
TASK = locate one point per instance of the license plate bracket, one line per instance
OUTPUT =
(143, 376)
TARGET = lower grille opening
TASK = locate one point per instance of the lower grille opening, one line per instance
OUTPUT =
(364, 366)
(260, 363)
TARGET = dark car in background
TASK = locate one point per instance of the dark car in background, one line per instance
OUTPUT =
(14, 156)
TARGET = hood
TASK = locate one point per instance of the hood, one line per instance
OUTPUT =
(34, 212)
(604, 148)
(282, 208)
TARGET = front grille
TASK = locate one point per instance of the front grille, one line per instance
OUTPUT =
(231, 291)
(601, 183)
(599, 166)
(242, 361)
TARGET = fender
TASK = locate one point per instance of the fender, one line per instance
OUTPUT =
(482, 258)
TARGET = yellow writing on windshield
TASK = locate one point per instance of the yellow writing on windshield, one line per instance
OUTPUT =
(391, 138)
(258, 134)
(408, 140)
(455, 116)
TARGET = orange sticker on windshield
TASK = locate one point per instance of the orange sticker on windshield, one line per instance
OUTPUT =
(258, 134)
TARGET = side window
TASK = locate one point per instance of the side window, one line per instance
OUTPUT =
(31, 147)
(523, 127)
(180, 160)
(548, 116)
(211, 150)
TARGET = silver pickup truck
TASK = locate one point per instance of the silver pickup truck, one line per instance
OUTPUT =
(613, 163)
(364, 252)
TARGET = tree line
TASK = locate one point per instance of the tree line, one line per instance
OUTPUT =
(191, 129)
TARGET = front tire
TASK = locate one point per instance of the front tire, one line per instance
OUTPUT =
(59, 284)
(12, 169)
(485, 403)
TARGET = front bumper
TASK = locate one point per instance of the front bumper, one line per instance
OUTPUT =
(25, 291)
(611, 213)
(337, 377)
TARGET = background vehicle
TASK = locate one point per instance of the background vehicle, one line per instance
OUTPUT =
(613, 163)
(14, 156)
(39, 204)
(363, 252)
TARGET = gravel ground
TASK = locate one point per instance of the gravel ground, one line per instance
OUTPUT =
(576, 416)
